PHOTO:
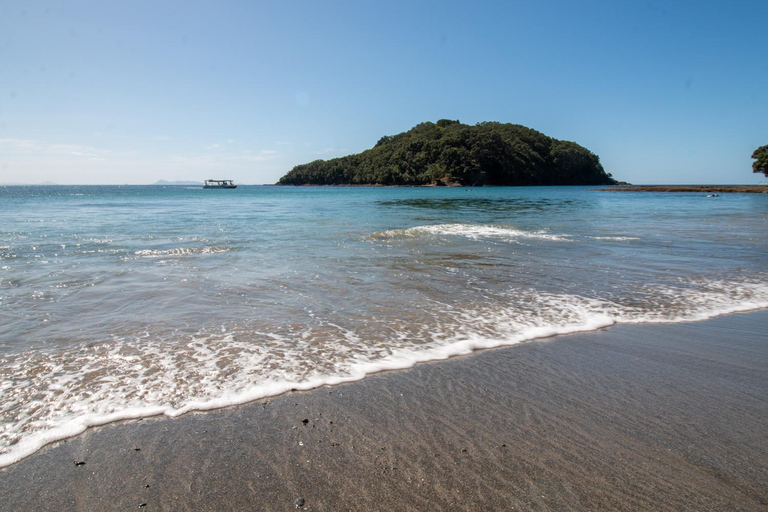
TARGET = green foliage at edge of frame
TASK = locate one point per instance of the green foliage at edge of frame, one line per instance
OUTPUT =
(761, 160)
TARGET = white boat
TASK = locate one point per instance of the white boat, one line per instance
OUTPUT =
(219, 184)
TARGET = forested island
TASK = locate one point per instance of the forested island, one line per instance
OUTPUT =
(451, 153)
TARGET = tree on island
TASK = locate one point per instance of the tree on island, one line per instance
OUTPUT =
(761, 160)
(451, 153)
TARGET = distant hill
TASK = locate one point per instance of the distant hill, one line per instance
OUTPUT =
(451, 153)
(163, 182)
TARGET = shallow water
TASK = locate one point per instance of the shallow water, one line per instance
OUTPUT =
(119, 302)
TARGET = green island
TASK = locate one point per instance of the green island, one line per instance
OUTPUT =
(449, 153)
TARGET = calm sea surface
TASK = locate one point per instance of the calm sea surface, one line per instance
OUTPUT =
(124, 302)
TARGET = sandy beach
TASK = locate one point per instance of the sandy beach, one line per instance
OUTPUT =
(646, 417)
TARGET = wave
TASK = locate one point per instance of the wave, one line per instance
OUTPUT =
(181, 251)
(401, 359)
(614, 238)
(471, 231)
(56, 396)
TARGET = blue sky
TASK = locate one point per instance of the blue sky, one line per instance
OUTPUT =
(134, 92)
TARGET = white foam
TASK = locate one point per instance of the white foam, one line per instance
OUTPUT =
(471, 231)
(704, 301)
(32, 443)
(50, 397)
(398, 360)
(180, 251)
(614, 238)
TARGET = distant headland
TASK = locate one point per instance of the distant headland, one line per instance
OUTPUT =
(449, 153)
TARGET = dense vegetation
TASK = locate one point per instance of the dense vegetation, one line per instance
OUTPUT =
(451, 153)
(761, 160)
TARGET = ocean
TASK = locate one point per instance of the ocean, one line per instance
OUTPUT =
(120, 302)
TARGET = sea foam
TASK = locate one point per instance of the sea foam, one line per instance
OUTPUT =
(50, 397)
(471, 231)
(162, 301)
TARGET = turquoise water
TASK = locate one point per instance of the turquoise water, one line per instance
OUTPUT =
(122, 302)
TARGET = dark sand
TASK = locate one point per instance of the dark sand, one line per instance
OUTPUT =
(703, 189)
(653, 417)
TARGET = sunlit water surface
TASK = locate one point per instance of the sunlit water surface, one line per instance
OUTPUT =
(121, 302)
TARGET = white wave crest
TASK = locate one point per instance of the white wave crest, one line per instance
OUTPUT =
(614, 238)
(180, 251)
(471, 231)
(49, 397)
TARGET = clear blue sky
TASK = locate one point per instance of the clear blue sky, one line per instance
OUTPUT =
(133, 92)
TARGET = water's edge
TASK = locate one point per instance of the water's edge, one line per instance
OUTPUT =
(32, 444)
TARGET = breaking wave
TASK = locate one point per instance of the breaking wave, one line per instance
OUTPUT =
(52, 396)
(471, 231)
(180, 251)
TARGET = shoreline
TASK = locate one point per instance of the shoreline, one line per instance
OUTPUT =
(75, 427)
(659, 416)
(450, 184)
(742, 189)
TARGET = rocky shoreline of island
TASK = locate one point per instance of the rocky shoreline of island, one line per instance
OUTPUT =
(707, 189)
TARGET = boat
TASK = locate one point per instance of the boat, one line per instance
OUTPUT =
(219, 184)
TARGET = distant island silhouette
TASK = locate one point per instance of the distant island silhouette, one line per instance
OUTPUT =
(455, 154)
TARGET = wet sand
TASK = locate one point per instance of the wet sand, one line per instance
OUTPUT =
(653, 417)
